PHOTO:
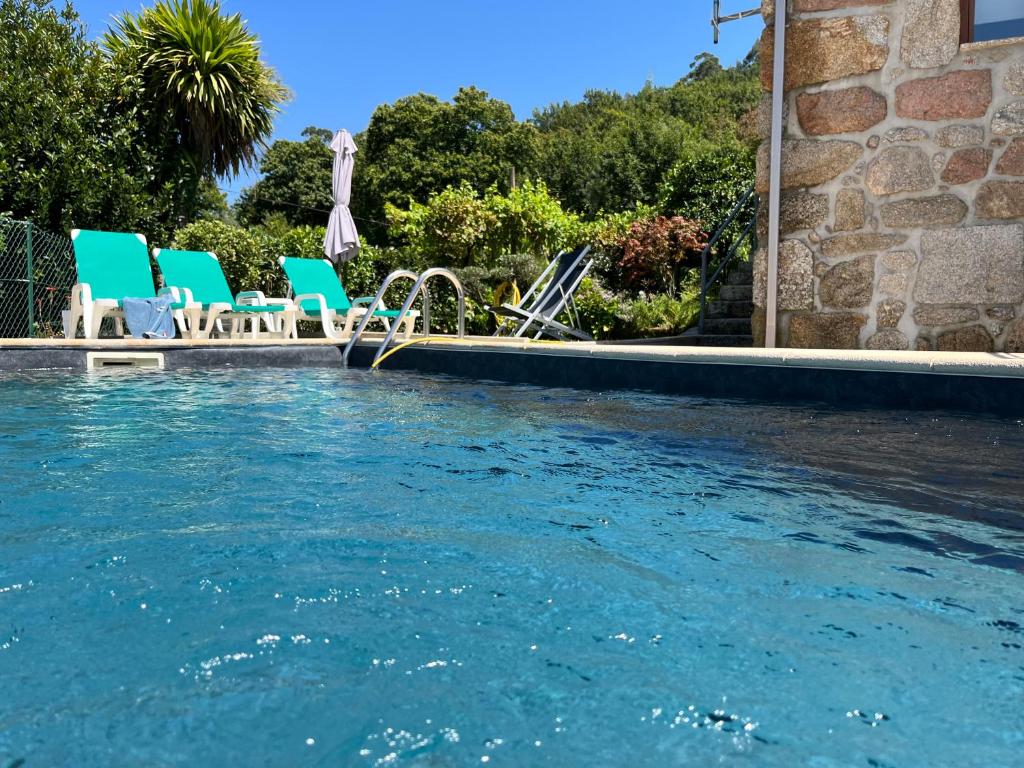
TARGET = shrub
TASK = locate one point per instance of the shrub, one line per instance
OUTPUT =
(449, 230)
(522, 268)
(359, 275)
(706, 183)
(444, 313)
(530, 220)
(459, 228)
(656, 251)
(247, 256)
(599, 310)
(607, 235)
(304, 241)
(482, 282)
(661, 315)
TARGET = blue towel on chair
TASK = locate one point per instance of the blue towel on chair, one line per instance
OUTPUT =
(150, 318)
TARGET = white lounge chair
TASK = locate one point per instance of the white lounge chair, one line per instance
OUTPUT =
(319, 295)
(114, 266)
(198, 276)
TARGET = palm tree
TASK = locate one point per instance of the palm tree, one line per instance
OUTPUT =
(196, 76)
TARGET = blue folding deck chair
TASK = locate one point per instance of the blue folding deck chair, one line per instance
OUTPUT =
(539, 307)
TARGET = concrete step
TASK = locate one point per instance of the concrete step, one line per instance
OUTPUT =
(731, 326)
(742, 275)
(736, 293)
(717, 309)
(715, 340)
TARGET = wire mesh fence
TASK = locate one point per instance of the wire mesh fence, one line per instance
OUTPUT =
(37, 271)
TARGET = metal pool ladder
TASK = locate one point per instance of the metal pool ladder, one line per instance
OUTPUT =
(419, 286)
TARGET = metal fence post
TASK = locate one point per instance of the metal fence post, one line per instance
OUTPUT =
(31, 279)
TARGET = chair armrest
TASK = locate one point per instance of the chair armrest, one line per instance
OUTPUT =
(317, 297)
(270, 301)
(255, 298)
(180, 295)
(369, 300)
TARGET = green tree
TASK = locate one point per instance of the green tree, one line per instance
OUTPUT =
(65, 160)
(102, 138)
(705, 184)
(610, 151)
(203, 97)
(421, 145)
(705, 65)
(212, 203)
(296, 182)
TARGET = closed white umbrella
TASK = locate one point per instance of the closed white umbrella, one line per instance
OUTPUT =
(341, 242)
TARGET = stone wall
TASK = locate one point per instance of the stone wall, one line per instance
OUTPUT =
(902, 211)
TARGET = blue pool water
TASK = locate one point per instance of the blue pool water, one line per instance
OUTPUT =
(341, 568)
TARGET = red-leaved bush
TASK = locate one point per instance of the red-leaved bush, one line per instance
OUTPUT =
(655, 252)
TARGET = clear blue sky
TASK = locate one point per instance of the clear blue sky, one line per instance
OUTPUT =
(342, 59)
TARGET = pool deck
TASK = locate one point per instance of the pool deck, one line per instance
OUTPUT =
(963, 363)
(963, 381)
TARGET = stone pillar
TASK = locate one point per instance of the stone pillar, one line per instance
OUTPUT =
(902, 201)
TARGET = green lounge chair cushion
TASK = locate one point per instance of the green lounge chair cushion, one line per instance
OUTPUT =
(114, 264)
(388, 313)
(252, 307)
(316, 276)
(199, 271)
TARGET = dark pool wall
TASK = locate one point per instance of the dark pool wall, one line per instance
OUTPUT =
(841, 387)
(34, 359)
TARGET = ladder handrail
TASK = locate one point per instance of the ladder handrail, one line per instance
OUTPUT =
(705, 283)
(421, 284)
(398, 274)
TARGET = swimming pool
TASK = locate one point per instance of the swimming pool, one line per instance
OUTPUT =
(342, 568)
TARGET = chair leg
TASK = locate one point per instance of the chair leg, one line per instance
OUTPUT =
(193, 322)
(75, 319)
(179, 322)
(94, 321)
(213, 321)
(87, 313)
(350, 320)
(327, 320)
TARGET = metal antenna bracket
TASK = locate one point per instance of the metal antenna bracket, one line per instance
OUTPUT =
(717, 19)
